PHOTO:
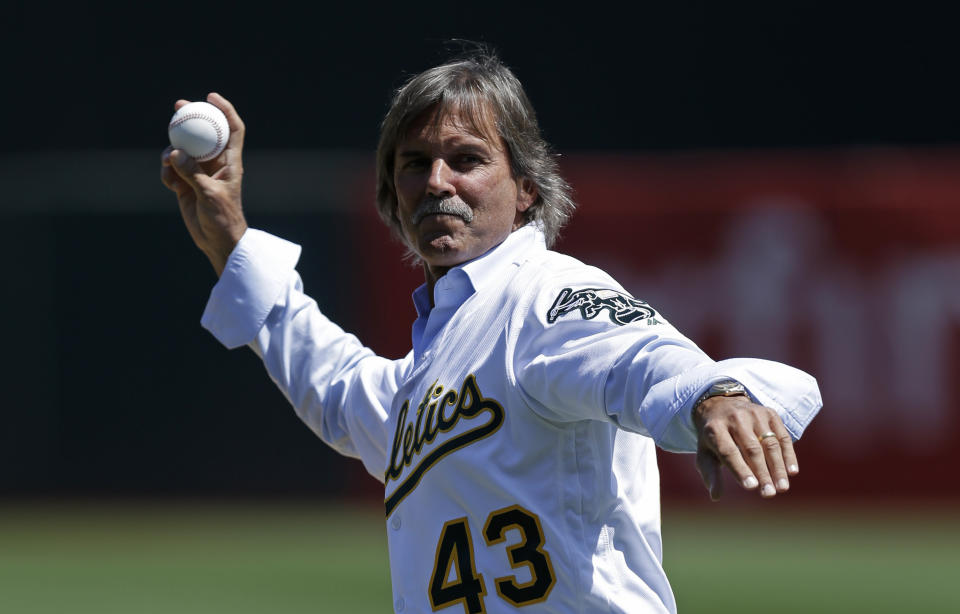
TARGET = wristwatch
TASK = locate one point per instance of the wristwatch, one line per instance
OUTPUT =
(725, 388)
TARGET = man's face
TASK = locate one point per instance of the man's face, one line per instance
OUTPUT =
(456, 196)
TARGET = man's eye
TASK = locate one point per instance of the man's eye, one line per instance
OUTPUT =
(415, 164)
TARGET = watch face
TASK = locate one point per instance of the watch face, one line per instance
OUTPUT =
(728, 387)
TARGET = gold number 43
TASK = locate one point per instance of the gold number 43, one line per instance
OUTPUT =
(455, 554)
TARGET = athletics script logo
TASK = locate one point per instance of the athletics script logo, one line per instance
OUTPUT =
(623, 308)
(439, 411)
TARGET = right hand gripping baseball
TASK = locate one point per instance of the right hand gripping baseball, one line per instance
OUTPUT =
(209, 192)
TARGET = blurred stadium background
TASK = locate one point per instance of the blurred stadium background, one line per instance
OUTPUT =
(780, 182)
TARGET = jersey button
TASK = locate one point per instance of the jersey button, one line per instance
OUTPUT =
(395, 522)
(399, 604)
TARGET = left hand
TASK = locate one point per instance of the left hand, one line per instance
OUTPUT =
(728, 432)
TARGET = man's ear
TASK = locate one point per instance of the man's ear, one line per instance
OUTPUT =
(526, 193)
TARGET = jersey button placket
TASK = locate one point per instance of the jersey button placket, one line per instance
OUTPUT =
(399, 604)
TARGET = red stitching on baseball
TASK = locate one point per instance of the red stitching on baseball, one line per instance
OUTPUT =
(195, 115)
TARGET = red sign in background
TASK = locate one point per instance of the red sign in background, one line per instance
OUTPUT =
(843, 263)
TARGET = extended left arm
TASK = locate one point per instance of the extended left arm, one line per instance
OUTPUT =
(646, 377)
(752, 434)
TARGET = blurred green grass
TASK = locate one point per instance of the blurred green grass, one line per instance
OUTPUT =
(184, 558)
(869, 558)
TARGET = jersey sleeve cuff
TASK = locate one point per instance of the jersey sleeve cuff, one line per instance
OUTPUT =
(790, 392)
(255, 275)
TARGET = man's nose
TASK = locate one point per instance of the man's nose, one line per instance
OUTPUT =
(439, 183)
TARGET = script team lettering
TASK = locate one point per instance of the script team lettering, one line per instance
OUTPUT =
(440, 410)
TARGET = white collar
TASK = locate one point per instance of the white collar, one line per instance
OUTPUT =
(514, 250)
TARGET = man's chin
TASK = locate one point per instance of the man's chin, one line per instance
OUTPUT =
(441, 249)
(440, 232)
(438, 244)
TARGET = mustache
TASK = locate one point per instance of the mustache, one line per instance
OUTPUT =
(451, 205)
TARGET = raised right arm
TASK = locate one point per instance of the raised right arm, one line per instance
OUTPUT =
(338, 387)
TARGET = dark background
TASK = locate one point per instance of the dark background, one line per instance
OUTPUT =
(637, 76)
(111, 385)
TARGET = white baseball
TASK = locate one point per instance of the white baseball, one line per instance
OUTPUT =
(200, 129)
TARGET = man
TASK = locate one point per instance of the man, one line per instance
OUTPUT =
(516, 439)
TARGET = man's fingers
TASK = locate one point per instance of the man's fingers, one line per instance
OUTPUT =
(778, 471)
(165, 156)
(786, 444)
(186, 168)
(709, 468)
(728, 451)
(180, 103)
(169, 176)
(703, 461)
(172, 181)
(753, 453)
(237, 128)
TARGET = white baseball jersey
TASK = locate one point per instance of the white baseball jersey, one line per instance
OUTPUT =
(516, 439)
